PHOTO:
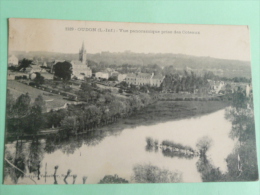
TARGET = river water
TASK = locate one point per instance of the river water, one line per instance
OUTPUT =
(120, 152)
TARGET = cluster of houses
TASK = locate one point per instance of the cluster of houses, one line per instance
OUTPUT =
(221, 87)
(81, 71)
(216, 86)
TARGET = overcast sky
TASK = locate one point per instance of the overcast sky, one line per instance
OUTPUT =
(218, 41)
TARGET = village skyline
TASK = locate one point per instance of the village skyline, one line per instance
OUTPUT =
(123, 52)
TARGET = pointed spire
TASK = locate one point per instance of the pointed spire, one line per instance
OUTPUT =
(83, 46)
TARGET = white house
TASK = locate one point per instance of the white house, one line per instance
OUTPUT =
(102, 75)
(121, 77)
(248, 90)
(13, 61)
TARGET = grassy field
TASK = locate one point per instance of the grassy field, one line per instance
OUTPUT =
(52, 100)
(163, 111)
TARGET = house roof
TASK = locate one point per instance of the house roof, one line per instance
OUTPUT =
(101, 73)
(13, 57)
(144, 75)
(131, 75)
(158, 76)
(115, 74)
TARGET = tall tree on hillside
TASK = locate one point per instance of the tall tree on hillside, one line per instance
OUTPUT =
(92, 116)
(25, 63)
(85, 92)
(54, 118)
(70, 125)
(39, 101)
(63, 70)
(35, 120)
(22, 105)
(17, 113)
(10, 102)
(38, 79)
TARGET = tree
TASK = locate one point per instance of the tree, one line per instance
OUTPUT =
(243, 125)
(228, 88)
(35, 119)
(38, 79)
(10, 102)
(123, 85)
(22, 105)
(63, 70)
(92, 116)
(120, 91)
(86, 92)
(25, 63)
(239, 99)
(145, 98)
(54, 118)
(39, 101)
(109, 98)
(209, 173)
(204, 144)
(144, 89)
(70, 125)
(113, 78)
(135, 103)
(248, 170)
(86, 87)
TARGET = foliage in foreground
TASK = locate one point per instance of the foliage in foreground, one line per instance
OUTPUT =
(148, 173)
(112, 179)
(242, 162)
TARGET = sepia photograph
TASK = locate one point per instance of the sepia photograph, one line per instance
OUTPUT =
(111, 102)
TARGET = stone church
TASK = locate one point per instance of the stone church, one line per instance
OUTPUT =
(80, 68)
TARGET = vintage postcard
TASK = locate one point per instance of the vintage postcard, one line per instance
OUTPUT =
(109, 102)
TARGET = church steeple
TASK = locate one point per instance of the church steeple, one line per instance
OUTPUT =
(83, 46)
(83, 54)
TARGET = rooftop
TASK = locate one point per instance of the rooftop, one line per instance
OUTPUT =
(144, 75)
(159, 76)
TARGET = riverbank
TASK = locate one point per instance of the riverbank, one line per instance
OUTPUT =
(157, 112)
(163, 111)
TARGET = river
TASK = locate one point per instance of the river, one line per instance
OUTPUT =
(118, 153)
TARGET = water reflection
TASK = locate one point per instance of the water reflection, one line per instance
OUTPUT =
(90, 157)
(15, 165)
(208, 172)
(170, 149)
(55, 174)
(68, 144)
(151, 145)
(36, 154)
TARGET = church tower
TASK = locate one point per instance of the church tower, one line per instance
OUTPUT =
(83, 54)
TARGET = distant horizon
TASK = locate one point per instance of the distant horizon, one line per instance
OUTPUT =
(128, 51)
